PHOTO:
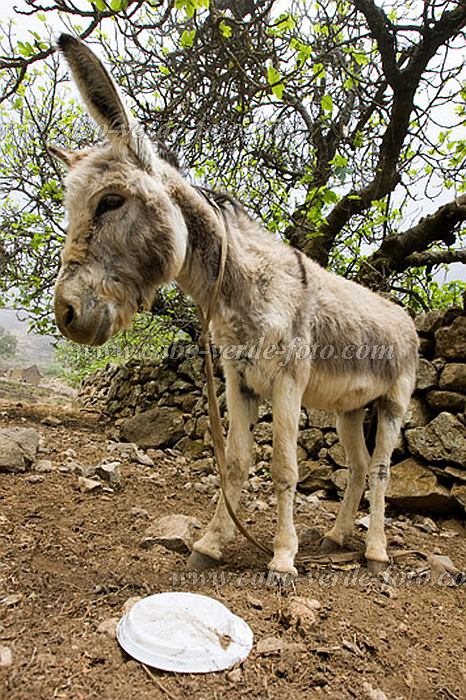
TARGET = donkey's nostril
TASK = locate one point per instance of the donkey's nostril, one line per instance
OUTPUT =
(68, 316)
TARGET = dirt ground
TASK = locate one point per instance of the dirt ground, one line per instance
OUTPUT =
(70, 560)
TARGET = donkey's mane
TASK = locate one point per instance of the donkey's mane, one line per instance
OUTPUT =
(224, 202)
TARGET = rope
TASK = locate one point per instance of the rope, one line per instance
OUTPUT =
(214, 409)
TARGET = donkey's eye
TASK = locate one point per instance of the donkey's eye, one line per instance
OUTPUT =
(109, 202)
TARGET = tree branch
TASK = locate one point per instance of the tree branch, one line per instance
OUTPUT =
(431, 258)
(387, 176)
(400, 251)
(378, 24)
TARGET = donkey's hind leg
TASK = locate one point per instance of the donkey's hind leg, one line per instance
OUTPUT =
(391, 409)
(351, 434)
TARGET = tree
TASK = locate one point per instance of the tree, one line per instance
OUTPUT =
(8, 344)
(334, 122)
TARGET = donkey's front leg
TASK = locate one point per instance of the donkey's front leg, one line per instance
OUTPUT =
(286, 408)
(242, 410)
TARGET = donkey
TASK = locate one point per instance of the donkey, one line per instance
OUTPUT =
(135, 223)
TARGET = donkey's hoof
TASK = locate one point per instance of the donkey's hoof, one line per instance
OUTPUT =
(328, 546)
(376, 567)
(200, 562)
(282, 578)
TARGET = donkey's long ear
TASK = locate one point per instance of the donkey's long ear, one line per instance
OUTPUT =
(103, 99)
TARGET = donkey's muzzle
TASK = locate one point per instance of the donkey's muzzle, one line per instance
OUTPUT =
(84, 319)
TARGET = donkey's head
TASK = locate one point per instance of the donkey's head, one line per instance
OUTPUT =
(125, 235)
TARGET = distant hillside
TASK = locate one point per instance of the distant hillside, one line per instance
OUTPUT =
(32, 348)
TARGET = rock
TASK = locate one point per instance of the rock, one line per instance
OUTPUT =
(340, 479)
(446, 401)
(459, 474)
(129, 450)
(43, 466)
(458, 492)
(418, 414)
(330, 438)
(160, 426)
(450, 342)
(413, 486)
(88, 485)
(312, 439)
(426, 375)
(321, 419)
(139, 512)
(18, 449)
(254, 602)
(443, 571)
(109, 627)
(6, 656)
(301, 614)
(314, 476)
(428, 322)
(52, 421)
(338, 454)
(110, 472)
(268, 646)
(442, 440)
(453, 377)
(69, 453)
(235, 675)
(190, 448)
(373, 693)
(263, 432)
(174, 532)
(35, 479)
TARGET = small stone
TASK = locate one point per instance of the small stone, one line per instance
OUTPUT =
(235, 675)
(35, 479)
(110, 472)
(139, 512)
(301, 614)
(88, 485)
(269, 646)
(174, 532)
(52, 421)
(413, 486)
(373, 693)
(6, 656)
(43, 466)
(254, 602)
(109, 627)
(70, 453)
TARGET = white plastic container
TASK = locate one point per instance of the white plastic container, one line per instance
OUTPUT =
(184, 633)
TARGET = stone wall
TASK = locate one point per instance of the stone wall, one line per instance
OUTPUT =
(163, 404)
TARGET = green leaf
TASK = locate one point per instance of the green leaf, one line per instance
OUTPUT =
(327, 103)
(226, 30)
(187, 38)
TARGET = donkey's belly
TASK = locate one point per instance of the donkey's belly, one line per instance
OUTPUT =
(342, 392)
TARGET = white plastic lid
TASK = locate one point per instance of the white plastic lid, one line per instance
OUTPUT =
(185, 633)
